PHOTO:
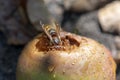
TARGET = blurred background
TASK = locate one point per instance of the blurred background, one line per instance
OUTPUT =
(19, 23)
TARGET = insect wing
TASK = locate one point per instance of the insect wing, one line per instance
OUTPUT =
(46, 28)
(58, 29)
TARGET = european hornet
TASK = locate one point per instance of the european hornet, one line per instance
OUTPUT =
(53, 32)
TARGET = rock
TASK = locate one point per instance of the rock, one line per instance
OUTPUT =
(109, 17)
(7, 7)
(37, 12)
(15, 34)
(44, 11)
(1, 76)
(117, 59)
(119, 55)
(117, 42)
(55, 8)
(84, 5)
(13, 24)
(118, 77)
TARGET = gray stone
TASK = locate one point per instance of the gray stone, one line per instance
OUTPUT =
(84, 5)
(109, 17)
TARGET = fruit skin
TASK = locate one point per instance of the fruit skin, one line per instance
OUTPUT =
(80, 58)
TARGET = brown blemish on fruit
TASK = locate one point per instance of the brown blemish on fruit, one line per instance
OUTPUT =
(49, 62)
(69, 43)
(72, 41)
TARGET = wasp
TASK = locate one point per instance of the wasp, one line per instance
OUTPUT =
(53, 32)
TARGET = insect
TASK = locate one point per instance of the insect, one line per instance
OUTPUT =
(53, 32)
